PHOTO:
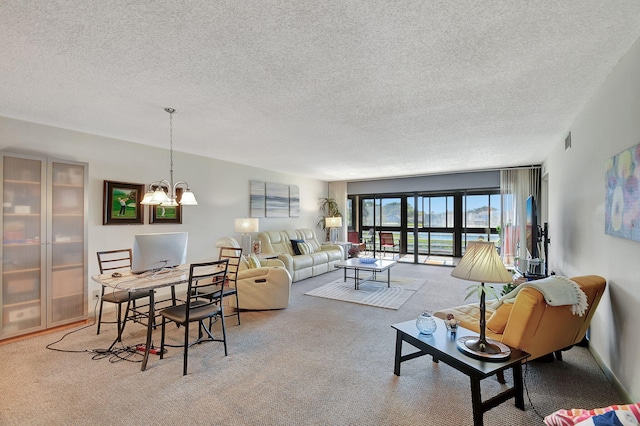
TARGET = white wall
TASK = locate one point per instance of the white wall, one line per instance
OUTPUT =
(607, 125)
(222, 188)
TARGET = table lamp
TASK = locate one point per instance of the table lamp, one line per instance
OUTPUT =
(481, 263)
(245, 226)
(333, 223)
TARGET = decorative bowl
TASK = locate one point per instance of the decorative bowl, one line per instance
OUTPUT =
(368, 260)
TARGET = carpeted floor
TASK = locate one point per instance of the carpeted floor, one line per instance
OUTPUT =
(318, 362)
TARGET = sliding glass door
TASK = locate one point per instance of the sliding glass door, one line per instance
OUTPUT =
(430, 225)
(427, 224)
(381, 214)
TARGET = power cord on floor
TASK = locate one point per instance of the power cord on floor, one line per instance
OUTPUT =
(526, 388)
(50, 345)
(114, 354)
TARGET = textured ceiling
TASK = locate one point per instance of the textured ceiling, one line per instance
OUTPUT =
(335, 90)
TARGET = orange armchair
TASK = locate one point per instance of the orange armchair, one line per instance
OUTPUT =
(530, 323)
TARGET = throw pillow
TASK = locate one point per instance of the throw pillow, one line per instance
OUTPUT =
(498, 321)
(306, 248)
(295, 246)
(253, 260)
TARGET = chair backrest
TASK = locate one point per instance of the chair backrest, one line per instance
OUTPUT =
(353, 237)
(386, 239)
(114, 259)
(234, 256)
(309, 237)
(206, 279)
(275, 242)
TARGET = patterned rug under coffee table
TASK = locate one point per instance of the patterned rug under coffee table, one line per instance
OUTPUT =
(372, 293)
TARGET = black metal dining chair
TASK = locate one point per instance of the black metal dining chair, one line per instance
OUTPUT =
(111, 261)
(204, 292)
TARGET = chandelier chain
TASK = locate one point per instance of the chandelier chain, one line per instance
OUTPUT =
(171, 111)
(157, 195)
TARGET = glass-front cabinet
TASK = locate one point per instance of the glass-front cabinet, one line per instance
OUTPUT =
(44, 250)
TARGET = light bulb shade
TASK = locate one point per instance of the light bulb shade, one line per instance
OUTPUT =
(147, 198)
(159, 197)
(188, 199)
(482, 263)
(246, 225)
(333, 222)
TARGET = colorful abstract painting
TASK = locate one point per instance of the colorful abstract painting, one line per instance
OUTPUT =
(622, 207)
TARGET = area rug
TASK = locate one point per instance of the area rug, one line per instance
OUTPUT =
(372, 293)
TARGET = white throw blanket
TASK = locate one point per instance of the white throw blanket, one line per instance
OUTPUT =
(557, 291)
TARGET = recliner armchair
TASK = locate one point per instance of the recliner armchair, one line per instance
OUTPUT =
(263, 288)
(530, 323)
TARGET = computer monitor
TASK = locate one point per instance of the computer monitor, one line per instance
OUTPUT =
(153, 252)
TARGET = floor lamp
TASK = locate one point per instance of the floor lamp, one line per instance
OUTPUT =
(245, 226)
(333, 223)
(482, 263)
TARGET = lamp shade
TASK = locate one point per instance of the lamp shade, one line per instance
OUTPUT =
(147, 198)
(188, 199)
(246, 225)
(482, 263)
(333, 222)
(159, 197)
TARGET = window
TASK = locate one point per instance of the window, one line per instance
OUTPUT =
(481, 218)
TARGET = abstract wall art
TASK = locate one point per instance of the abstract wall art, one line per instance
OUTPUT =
(268, 199)
(622, 205)
(257, 198)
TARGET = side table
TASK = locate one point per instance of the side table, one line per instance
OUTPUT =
(442, 347)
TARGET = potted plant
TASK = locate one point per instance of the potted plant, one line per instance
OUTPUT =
(328, 208)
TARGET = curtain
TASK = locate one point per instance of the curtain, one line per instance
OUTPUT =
(516, 185)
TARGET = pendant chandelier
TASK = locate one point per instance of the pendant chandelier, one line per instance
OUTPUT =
(163, 192)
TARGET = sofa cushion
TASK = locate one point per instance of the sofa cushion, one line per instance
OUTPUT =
(320, 258)
(276, 242)
(302, 262)
(498, 321)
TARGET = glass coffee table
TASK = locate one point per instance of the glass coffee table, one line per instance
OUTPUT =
(357, 265)
(441, 345)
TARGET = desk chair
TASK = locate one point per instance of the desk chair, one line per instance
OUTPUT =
(387, 241)
(113, 261)
(204, 278)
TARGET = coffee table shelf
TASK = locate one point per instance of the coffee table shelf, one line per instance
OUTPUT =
(380, 265)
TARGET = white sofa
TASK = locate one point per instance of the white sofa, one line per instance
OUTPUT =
(319, 260)
(263, 288)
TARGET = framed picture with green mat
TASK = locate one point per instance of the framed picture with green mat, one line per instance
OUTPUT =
(121, 205)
